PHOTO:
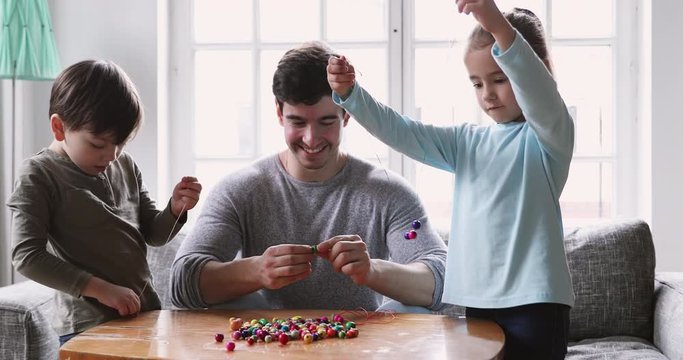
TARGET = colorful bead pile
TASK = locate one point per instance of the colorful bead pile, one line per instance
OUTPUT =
(294, 328)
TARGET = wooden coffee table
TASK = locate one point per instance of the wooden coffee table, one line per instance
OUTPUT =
(189, 334)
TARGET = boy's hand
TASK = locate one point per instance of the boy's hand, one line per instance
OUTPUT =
(348, 255)
(185, 195)
(122, 299)
(341, 75)
(281, 265)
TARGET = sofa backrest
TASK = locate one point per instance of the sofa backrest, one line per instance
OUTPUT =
(160, 260)
(612, 268)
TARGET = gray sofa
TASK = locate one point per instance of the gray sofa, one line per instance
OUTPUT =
(623, 309)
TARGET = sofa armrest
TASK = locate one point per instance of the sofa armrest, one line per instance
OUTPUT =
(25, 328)
(668, 317)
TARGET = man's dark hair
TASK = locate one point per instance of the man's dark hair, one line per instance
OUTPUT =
(98, 96)
(301, 75)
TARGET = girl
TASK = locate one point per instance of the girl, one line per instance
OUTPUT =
(506, 256)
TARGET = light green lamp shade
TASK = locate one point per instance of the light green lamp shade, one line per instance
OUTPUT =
(27, 43)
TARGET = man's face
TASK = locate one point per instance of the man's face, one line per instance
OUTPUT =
(313, 134)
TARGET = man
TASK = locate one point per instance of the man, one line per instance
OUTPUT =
(315, 226)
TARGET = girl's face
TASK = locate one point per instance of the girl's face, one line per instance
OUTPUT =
(492, 86)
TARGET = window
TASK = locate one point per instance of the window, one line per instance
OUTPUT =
(409, 55)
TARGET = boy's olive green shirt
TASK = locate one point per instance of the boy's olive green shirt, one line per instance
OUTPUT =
(68, 226)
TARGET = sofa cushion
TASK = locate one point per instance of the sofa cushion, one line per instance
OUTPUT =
(617, 347)
(612, 268)
(160, 260)
(24, 314)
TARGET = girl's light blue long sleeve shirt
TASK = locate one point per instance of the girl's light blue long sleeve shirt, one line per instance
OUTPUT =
(506, 240)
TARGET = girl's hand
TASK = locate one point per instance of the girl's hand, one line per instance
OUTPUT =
(485, 12)
(185, 195)
(341, 75)
(490, 18)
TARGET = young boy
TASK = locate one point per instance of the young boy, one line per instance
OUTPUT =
(82, 217)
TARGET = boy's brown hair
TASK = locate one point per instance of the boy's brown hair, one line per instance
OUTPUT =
(98, 96)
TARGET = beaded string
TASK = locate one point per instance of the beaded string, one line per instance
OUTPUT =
(381, 317)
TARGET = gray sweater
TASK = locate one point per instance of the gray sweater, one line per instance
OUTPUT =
(262, 206)
(68, 225)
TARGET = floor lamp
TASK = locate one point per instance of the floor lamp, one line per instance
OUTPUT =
(27, 52)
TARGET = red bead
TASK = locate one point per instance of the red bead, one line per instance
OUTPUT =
(410, 235)
(283, 339)
(250, 341)
(230, 346)
(218, 337)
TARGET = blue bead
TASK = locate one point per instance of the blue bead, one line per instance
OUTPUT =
(417, 224)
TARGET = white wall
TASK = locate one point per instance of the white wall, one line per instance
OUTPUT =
(667, 133)
(5, 179)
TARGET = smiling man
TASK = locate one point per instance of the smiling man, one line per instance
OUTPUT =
(316, 227)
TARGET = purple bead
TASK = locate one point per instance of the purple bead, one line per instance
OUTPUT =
(416, 224)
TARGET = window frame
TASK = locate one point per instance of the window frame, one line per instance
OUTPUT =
(401, 47)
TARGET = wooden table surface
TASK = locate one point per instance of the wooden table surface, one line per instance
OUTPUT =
(185, 334)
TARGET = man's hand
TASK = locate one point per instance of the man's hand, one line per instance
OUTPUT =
(348, 255)
(341, 75)
(281, 265)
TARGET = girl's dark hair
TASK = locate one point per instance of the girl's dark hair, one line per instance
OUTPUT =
(527, 23)
(301, 75)
(98, 96)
